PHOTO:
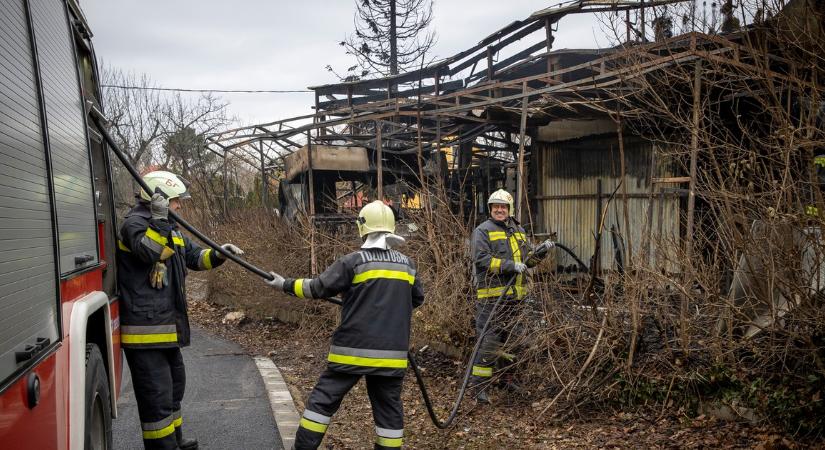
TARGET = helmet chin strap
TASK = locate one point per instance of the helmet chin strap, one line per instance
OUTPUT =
(382, 240)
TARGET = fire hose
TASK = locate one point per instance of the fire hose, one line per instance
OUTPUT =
(100, 121)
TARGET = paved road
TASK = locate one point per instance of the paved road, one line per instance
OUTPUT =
(225, 406)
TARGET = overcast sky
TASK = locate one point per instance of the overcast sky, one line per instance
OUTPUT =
(278, 44)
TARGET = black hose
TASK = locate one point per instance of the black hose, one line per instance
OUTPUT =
(100, 121)
(467, 371)
(570, 252)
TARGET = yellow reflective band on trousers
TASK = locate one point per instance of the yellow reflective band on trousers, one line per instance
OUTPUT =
(148, 334)
(149, 338)
(389, 442)
(495, 265)
(811, 210)
(177, 419)
(383, 274)
(313, 426)
(497, 291)
(819, 161)
(496, 235)
(159, 429)
(481, 371)
(362, 361)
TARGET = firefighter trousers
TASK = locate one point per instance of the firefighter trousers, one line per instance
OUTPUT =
(326, 397)
(493, 340)
(159, 380)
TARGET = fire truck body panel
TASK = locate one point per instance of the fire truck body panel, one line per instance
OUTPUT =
(57, 287)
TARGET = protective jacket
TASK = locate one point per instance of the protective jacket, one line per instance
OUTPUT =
(379, 289)
(496, 248)
(150, 317)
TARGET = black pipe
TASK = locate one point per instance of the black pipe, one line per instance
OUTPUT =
(100, 121)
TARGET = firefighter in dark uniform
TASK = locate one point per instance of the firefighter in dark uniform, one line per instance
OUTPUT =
(379, 289)
(500, 251)
(153, 257)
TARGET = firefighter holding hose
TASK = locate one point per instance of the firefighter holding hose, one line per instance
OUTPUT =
(500, 252)
(153, 258)
(379, 288)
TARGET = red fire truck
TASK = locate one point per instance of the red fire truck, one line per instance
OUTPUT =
(60, 364)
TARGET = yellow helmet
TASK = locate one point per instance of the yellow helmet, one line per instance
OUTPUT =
(374, 217)
(500, 197)
(170, 184)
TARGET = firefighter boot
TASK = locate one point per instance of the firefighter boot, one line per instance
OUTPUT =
(509, 384)
(481, 396)
(183, 443)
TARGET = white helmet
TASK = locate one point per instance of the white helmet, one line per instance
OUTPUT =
(500, 197)
(170, 184)
(374, 217)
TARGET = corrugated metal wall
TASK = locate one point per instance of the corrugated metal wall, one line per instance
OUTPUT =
(28, 279)
(568, 202)
(67, 134)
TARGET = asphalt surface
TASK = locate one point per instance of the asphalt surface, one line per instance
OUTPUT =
(225, 405)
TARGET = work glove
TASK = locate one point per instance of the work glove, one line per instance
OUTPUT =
(159, 207)
(543, 248)
(231, 248)
(520, 267)
(277, 281)
(158, 278)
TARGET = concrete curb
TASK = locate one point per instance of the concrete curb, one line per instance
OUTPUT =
(283, 409)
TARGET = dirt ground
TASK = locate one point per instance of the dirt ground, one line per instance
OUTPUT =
(509, 423)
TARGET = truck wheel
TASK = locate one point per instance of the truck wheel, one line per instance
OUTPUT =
(98, 433)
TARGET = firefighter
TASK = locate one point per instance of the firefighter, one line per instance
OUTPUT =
(153, 258)
(499, 252)
(379, 290)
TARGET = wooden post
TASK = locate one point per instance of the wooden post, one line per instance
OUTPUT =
(597, 259)
(694, 154)
(631, 296)
(225, 186)
(312, 253)
(520, 171)
(625, 200)
(649, 230)
(379, 163)
(264, 182)
(548, 28)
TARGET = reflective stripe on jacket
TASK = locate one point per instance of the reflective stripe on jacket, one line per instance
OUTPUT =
(379, 289)
(496, 248)
(155, 318)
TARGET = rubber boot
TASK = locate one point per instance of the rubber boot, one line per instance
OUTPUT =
(183, 443)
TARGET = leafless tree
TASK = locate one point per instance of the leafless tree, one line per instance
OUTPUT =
(390, 35)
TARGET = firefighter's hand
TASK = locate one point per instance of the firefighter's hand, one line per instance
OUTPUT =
(520, 267)
(231, 248)
(159, 207)
(543, 248)
(277, 281)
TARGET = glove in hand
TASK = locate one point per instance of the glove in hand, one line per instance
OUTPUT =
(159, 207)
(520, 267)
(277, 281)
(231, 248)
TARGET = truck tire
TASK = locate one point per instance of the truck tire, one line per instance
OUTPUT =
(98, 423)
